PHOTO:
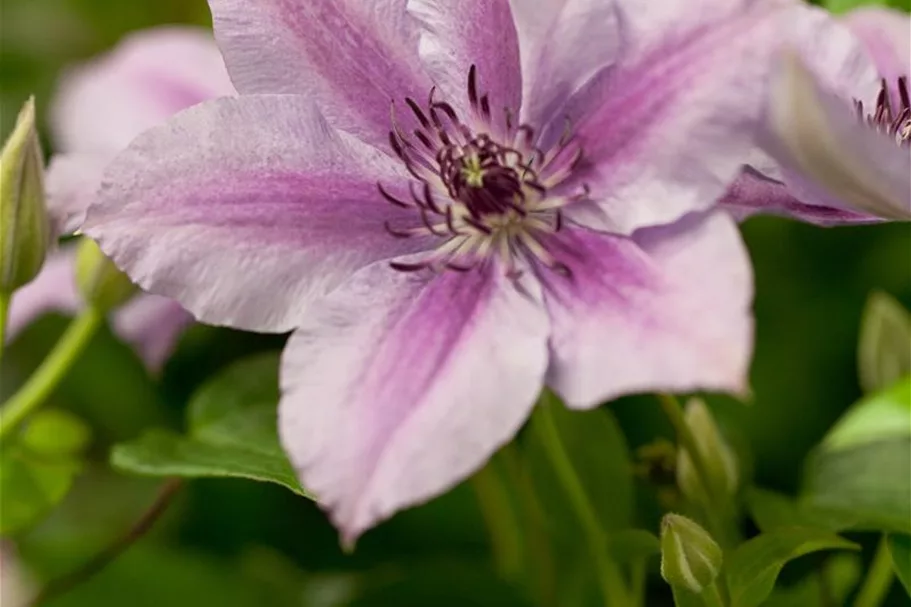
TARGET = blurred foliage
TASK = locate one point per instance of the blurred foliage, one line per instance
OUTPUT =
(236, 543)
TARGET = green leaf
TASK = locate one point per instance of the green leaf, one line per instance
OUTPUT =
(880, 416)
(843, 6)
(829, 585)
(862, 469)
(597, 449)
(232, 422)
(900, 549)
(39, 467)
(631, 545)
(163, 453)
(884, 348)
(53, 432)
(753, 567)
(771, 510)
(31, 485)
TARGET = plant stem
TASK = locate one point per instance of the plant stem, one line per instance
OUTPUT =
(674, 412)
(610, 578)
(500, 518)
(712, 596)
(4, 316)
(104, 558)
(879, 578)
(41, 384)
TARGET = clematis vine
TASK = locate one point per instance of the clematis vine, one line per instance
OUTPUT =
(454, 204)
(98, 109)
(836, 147)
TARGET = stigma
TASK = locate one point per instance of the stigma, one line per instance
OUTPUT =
(480, 185)
(887, 119)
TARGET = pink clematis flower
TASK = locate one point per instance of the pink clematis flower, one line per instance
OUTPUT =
(454, 204)
(837, 144)
(99, 109)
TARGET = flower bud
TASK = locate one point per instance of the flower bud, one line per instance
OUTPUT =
(721, 463)
(25, 229)
(690, 558)
(100, 282)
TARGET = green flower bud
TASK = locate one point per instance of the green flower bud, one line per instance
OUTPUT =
(25, 229)
(721, 463)
(690, 558)
(101, 284)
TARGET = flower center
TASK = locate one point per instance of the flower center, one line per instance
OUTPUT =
(895, 122)
(480, 185)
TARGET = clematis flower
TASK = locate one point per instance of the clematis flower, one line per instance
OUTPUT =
(837, 142)
(99, 108)
(454, 204)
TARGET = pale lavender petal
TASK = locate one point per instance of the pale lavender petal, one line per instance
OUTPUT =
(152, 325)
(563, 44)
(398, 385)
(886, 33)
(753, 193)
(149, 76)
(457, 35)
(823, 146)
(665, 310)
(53, 290)
(666, 129)
(244, 209)
(71, 182)
(351, 57)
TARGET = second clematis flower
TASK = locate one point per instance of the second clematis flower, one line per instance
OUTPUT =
(836, 147)
(98, 109)
(454, 204)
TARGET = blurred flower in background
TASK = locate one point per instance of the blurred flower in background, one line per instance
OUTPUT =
(98, 109)
(839, 122)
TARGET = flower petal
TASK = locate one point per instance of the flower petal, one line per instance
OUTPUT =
(666, 129)
(457, 35)
(53, 290)
(886, 33)
(563, 44)
(754, 193)
(351, 57)
(665, 310)
(819, 140)
(398, 385)
(152, 325)
(148, 77)
(71, 181)
(243, 209)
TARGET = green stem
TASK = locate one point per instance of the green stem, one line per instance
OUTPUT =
(4, 315)
(711, 596)
(879, 578)
(674, 412)
(42, 383)
(611, 580)
(500, 518)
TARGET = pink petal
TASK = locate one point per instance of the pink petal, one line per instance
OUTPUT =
(244, 209)
(150, 75)
(666, 129)
(886, 33)
(398, 385)
(828, 156)
(152, 325)
(351, 57)
(71, 181)
(53, 290)
(665, 310)
(457, 35)
(754, 193)
(563, 44)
